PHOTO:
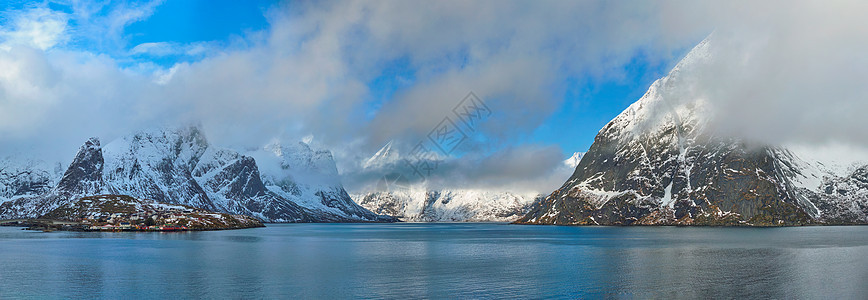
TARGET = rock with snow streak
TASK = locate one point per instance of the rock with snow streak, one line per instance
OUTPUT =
(658, 163)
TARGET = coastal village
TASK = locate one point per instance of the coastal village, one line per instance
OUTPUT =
(146, 221)
(125, 213)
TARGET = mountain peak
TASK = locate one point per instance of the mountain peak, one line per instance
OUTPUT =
(574, 160)
(386, 155)
(84, 174)
(92, 142)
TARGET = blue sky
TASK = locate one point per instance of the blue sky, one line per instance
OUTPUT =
(193, 21)
(200, 20)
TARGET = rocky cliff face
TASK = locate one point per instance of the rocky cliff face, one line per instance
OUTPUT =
(179, 166)
(658, 163)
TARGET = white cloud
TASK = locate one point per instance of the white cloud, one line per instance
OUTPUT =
(39, 27)
(787, 72)
(161, 49)
(156, 49)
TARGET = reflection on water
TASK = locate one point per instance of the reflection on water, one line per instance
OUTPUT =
(438, 261)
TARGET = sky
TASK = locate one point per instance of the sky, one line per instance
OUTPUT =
(353, 75)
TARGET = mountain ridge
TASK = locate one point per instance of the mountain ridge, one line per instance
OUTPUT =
(179, 166)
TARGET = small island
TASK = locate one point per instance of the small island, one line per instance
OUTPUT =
(125, 213)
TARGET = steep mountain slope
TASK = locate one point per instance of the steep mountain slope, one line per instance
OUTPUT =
(658, 162)
(179, 166)
(416, 202)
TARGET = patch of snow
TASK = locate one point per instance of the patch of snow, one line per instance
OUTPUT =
(667, 196)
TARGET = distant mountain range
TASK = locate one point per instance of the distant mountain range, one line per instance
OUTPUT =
(659, 163)
(281, 182)
(419, 202)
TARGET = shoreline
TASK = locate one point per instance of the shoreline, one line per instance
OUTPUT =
(50, 225)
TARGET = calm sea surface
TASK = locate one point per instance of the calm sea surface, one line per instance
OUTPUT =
(328, 261)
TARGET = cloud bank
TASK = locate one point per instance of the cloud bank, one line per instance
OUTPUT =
(793, 74)
(788, 71)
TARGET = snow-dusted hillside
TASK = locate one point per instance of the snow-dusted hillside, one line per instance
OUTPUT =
(179, 166)
(416, 202)
(659, 162)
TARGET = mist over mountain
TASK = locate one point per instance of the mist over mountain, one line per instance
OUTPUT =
(402, 185)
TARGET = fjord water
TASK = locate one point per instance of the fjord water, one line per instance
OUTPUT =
(328, 261)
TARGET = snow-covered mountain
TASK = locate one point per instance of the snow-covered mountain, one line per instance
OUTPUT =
(659, 162)
(417, 202)
(156, 164)
(179, 166)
